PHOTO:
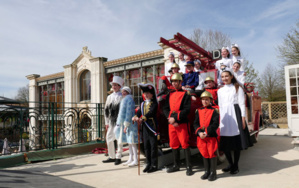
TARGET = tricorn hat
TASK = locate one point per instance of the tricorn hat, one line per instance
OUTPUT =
(148, 88)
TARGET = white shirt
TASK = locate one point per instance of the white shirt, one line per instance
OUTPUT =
(240, 77)
(182, 66)
(201, 83)
(227, 97)
(225, 61)
(236, 58)
(114, 98)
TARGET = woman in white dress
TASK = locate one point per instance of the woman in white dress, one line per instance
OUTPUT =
(231, 103)
(224, 62)
(237, 55)
(239, 75)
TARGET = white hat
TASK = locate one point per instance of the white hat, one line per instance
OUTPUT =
(197, 60)
(226, 69)
(238, 61)
(235, 45)
(225, 48)
(126, 88)
(117, 80)
(171, 53)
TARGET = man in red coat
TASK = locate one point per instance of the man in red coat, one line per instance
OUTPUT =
(206, 125)
(176, 109)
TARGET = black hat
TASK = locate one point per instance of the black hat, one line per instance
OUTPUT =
(148, 88)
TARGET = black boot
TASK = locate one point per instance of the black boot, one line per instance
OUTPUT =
(189, 171)
(213, 175)
(206, 164)
(147, 167)
(176, 165)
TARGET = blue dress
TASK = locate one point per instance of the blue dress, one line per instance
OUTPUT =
(124, 119)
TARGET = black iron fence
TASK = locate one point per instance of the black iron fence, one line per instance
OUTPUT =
(39, 125)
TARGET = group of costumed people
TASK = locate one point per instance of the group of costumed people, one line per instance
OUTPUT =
(222, 114)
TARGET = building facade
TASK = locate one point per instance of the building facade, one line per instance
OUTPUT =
(84, 84)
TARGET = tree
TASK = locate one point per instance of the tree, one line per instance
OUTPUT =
(289, 50)
(270, 86)
(251, 73)
(210, 39)
(23, 94)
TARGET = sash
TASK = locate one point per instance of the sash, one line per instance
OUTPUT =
(148, 126)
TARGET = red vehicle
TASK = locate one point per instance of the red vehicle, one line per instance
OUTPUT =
(188, 47)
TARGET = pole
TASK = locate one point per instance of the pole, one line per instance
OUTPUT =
(138, 124)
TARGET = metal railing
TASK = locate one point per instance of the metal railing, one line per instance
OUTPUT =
(50, 125)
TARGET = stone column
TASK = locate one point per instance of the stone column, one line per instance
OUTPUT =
(98, 89)
(33, 99)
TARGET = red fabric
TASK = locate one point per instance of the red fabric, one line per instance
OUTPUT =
(178, 136)
(205, 116)
(175, 100)
(103, 150)
(207, 146)
(168, 84)
(213, 92)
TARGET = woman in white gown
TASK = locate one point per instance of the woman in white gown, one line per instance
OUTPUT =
(233, 130)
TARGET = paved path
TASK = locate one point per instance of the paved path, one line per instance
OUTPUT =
(272, 162)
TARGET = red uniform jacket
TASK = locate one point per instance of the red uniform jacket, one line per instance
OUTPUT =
(206, 120)
(177, 105)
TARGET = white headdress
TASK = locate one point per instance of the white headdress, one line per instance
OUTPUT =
(126, 88)
(171, 53)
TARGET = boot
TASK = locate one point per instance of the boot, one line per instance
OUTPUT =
(189, 171)
(176, 165)
(213, 175)
(206, 164)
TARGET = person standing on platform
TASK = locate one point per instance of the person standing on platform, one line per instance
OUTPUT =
(234, 135)
(239, 75)
(111, 113)
(126, 131)
(237, 56)
(182, 62)
(205, 125)
(176, 109)
(146, 115)
(169, 64)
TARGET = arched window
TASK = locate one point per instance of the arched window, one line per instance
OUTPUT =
(85, 86)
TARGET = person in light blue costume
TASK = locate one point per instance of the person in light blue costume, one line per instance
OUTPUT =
(127, 131)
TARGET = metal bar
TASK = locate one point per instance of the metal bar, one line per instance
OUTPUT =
(181, 38)
(49, 122)
(166, 42)
(52, 123)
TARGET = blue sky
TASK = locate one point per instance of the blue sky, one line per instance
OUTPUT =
(40, 37)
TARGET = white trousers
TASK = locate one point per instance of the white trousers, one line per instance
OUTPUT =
(110, 137)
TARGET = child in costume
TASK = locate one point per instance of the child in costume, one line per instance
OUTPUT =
(111, 113)
(126, 130)
(206, 124)
(146, 115)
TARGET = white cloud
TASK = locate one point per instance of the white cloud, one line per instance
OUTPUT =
(280, 9)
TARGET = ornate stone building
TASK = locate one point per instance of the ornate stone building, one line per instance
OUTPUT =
(84, 83)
